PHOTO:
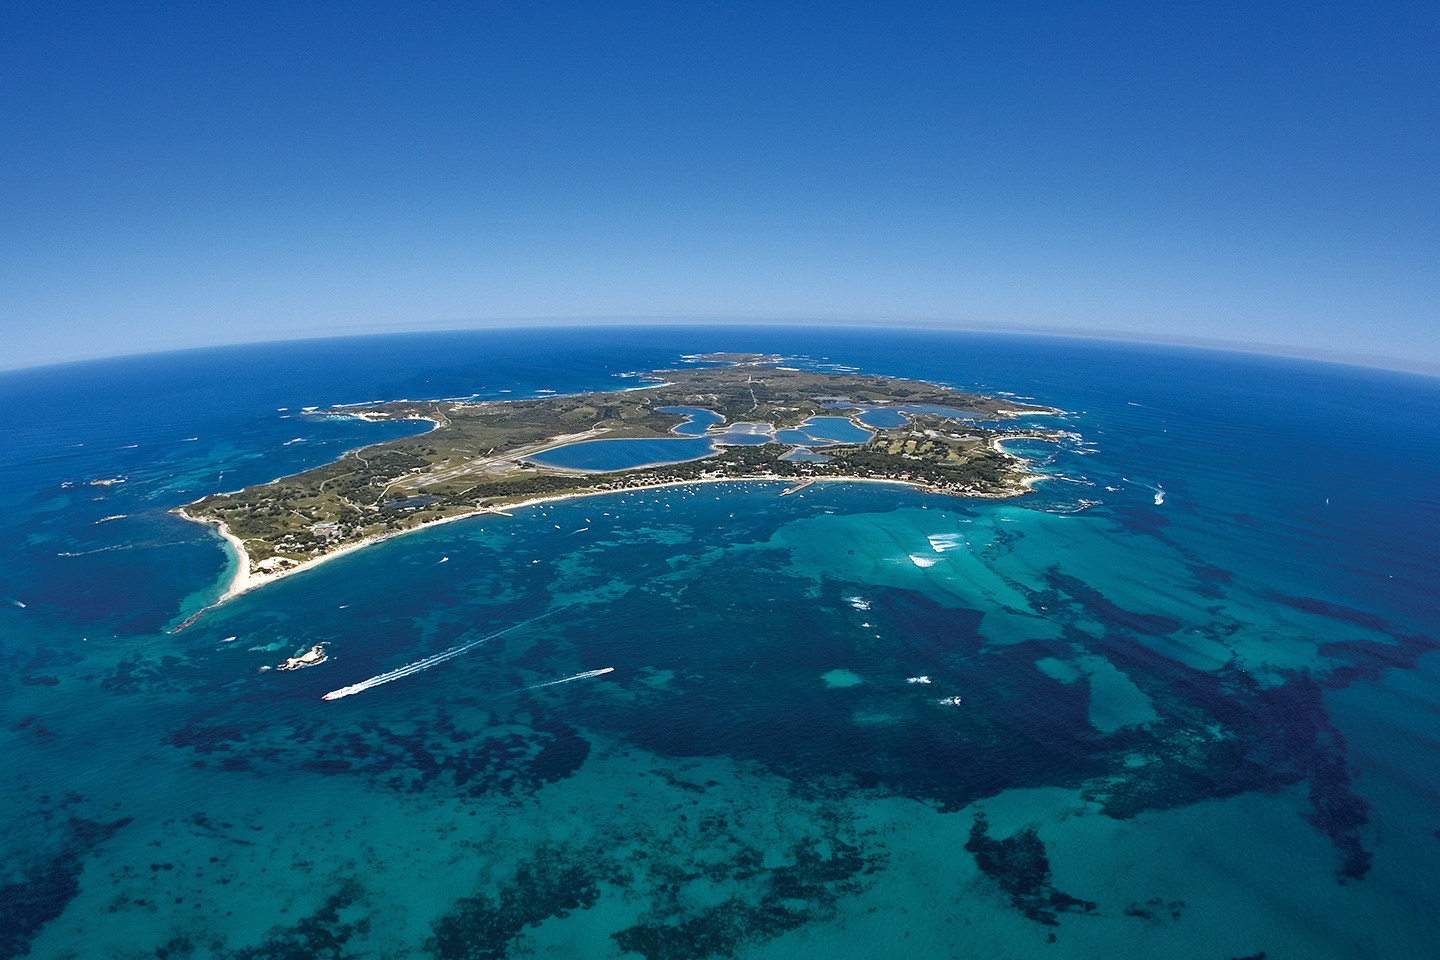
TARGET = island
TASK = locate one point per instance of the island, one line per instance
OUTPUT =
(739, 417)
(311, 657)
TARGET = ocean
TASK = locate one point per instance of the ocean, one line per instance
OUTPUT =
(1183, 700)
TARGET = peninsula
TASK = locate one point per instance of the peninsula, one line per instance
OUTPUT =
(485, 456)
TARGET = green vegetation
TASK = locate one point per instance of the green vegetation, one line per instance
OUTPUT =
(475, 457)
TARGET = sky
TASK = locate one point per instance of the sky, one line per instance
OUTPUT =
(177, 174)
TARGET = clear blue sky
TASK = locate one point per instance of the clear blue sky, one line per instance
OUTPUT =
(185, 173)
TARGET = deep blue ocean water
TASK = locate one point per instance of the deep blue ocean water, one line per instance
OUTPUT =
(1180, 701)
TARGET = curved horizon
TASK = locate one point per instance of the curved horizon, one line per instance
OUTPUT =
(1376, 361)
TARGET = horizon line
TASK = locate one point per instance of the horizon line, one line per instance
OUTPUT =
(560, 321)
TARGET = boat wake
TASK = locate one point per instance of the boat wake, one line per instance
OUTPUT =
(1156, 489)
(425, 664)
(579, 676)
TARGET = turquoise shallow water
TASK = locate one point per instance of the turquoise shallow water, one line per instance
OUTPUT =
(1181, 701)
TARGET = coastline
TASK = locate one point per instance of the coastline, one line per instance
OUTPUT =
(1031, 478)
(246, 579)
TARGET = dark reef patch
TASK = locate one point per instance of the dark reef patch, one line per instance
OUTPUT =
(417, 754)
(1138, 519)
(1209, 579)
(27, 905)
(1019, 864)
(776, 900)
(35, 727)
(320, 936)
(1360, 660)
(207, 738)
(560, 756)
(1156, 909)
(1334, 611)
(670, 872)
(552, 883)
(715, 931)
(1221, 735)
(1108, 612)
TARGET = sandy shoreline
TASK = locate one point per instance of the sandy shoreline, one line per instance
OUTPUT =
(246, 579)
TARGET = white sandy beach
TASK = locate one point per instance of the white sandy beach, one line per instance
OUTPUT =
(246, 578)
